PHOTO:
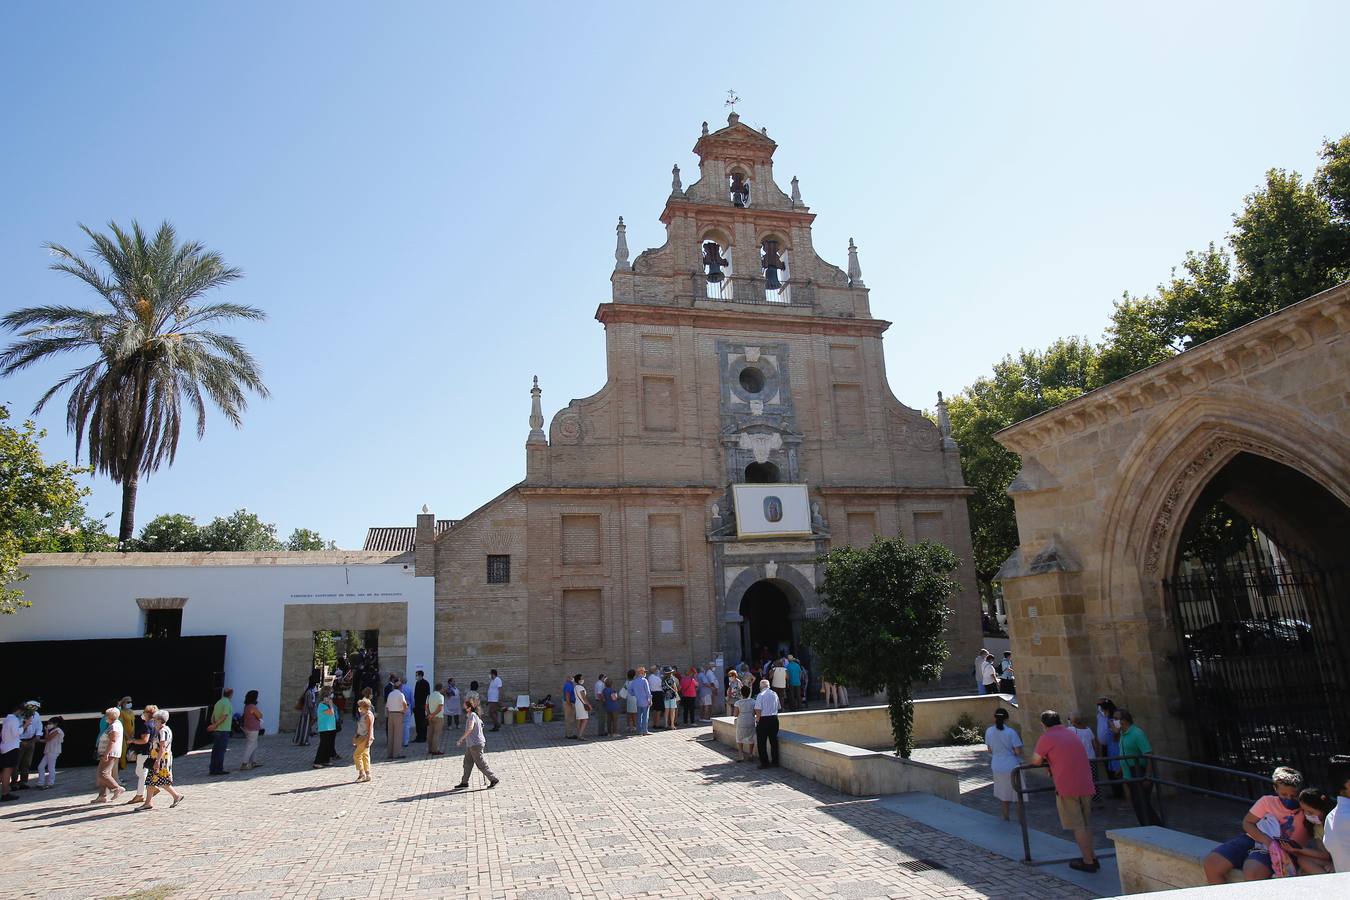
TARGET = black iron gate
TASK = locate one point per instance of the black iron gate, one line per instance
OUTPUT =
(1265, 662)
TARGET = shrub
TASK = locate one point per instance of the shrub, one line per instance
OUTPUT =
(965, 732)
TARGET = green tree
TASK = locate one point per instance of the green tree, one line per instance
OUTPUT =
(41, 508)
(240, 530)
(883, 627)
(154, 351)
(170, 533)
(308, 539)
(1021, 386)
(1290, 240)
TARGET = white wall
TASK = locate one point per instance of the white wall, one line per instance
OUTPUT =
(243, 602)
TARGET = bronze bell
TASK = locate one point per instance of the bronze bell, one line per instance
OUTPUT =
(771, 262)
(712, 259)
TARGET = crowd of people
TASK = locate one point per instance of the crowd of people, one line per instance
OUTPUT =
(1293, 831)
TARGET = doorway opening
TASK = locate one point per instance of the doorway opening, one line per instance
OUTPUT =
(767, 614)
(345, 650)
(761, 473)
(1261, 600)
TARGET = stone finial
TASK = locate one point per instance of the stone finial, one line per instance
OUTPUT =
(621, 263)
(796, 192)
(537, 413)
(854, 270)
(734, 118)
(676, 188)
(425, 509)
(945, 424)
(764, 130)
(705, 129)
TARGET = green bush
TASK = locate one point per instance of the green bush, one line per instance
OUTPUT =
(965, 732)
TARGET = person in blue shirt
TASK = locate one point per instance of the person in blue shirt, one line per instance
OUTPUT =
(794, 683)
(569, 709)
(639, 688)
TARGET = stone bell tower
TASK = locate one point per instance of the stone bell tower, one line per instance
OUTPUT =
(746, 427)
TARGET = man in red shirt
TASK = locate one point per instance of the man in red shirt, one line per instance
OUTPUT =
(1072, 774)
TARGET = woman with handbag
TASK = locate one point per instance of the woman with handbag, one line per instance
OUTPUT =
(161, 763)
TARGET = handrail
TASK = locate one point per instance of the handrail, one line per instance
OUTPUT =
(1149, 762)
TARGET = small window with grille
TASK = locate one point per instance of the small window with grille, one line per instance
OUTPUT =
(498, 569)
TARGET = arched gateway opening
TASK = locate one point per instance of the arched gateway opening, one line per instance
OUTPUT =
(768, 621)
(1261, 601)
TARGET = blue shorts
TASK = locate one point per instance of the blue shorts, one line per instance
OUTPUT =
(1240, 849)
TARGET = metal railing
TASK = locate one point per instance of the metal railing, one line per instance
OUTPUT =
(1149, 778)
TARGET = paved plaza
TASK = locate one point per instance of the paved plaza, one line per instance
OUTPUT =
(670, 815)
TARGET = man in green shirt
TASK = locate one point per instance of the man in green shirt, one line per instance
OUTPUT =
(435, 719)
(220, 724)
(1134, 746)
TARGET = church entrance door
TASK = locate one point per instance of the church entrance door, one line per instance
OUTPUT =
(767, 613)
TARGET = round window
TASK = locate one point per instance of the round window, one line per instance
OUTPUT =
(752, 380)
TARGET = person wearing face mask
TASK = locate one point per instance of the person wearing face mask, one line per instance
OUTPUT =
(1255, 850)
(1109, 741)
(1134, 746)
(1313, 857)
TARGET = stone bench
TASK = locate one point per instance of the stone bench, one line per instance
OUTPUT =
(1153, 858)
(852, 770)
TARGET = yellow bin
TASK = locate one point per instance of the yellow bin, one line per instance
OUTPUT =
(548, 714)
(520, 717)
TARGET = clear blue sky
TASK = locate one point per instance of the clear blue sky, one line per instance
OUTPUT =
(423, 196)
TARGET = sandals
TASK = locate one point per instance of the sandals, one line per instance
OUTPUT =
(180, 799)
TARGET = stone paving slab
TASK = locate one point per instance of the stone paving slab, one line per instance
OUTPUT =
(669, 815)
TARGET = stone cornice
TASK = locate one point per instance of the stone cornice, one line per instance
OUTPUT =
(613, 490)
(890, 491)
(757, 319)
(1243, 351)
(705, 214)
(201, 559)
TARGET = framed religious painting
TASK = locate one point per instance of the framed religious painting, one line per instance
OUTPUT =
(771, 510)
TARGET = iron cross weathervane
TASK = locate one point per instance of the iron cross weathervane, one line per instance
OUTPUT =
(732, 100)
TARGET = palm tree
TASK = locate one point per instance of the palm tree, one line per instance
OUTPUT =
(154, 351)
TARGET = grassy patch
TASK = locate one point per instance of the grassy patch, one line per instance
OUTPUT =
(159, 892)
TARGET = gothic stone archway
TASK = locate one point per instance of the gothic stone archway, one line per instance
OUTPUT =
(1109, 482)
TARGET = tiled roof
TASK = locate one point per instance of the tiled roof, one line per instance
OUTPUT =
(398, 539)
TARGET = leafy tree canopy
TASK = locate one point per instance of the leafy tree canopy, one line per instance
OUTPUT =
(41, 508)
(1290, 240)
(1021, 386)
(241, 530)
(887, 607)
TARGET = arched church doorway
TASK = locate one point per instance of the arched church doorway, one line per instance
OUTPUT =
(1261, 600)
(768, 623)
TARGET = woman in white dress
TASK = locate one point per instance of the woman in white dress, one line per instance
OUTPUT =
(745, 724)
(1005, 745)
(583, 708)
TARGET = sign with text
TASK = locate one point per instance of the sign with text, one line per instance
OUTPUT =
(771, 510)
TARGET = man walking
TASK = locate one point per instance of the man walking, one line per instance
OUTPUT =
(766, 724)
(220, 723)
(495, 700)
(395, 708)
(434, 715)
(1134, 746)
(421, 690)
(1072, 775)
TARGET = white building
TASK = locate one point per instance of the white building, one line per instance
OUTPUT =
(268, 605)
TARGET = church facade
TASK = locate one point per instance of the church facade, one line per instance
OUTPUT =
(746, 427)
